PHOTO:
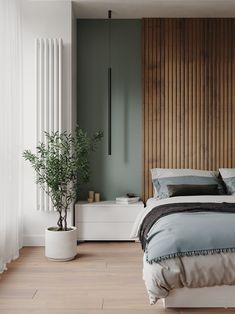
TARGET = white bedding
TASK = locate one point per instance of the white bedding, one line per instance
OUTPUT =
(190, 271)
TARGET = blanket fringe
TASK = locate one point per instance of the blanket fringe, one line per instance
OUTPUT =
(190, 253)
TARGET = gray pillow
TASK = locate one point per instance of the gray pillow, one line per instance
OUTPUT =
(192, 189)
(228, 176)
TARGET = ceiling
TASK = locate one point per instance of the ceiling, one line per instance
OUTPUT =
(154, 8)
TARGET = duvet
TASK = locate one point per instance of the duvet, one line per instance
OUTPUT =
(199, 255)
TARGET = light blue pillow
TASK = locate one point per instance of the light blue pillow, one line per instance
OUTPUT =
(228, 176)
(162, 177)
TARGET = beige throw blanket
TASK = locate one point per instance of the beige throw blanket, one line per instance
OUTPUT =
(188, 271)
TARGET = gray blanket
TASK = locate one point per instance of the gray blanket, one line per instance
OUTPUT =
(188, 229)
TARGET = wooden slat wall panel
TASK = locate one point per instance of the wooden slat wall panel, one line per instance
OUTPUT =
(188, 94)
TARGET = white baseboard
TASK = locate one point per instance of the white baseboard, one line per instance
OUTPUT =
(34, 240)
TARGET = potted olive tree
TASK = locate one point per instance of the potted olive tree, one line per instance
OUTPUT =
(61, 165)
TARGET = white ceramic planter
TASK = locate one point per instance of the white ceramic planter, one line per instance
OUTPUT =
(60, 245)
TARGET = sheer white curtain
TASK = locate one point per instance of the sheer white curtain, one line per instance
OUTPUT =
(10, 131)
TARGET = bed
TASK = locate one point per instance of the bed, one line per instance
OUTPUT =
(201, 275)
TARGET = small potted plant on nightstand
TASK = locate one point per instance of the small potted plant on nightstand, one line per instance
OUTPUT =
(61, 165)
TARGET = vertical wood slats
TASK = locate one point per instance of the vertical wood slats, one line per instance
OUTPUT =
(188, 94)
(48, 70)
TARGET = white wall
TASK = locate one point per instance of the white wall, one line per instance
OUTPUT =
(49, 19)
(74, 68)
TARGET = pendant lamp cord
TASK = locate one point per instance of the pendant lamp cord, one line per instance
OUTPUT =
(109, 86)
(109, 37)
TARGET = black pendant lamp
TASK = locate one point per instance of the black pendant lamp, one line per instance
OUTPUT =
(109, 86)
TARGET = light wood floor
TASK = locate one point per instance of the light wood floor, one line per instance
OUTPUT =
(105, 278)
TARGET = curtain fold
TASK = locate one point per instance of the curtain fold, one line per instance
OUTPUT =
(10, 131)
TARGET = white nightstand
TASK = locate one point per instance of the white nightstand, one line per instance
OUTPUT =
(105, 220)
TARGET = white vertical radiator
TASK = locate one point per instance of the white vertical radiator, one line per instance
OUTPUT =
(48, 97)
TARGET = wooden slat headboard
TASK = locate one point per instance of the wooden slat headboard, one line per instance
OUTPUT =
(188, 94)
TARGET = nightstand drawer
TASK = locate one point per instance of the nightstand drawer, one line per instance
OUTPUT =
(107, 213)
(104, 231)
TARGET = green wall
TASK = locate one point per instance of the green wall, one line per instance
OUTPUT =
(122, 171)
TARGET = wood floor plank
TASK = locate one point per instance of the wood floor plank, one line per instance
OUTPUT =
(7, 292)
(64, 303)
(207, 311)
(89, 311)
